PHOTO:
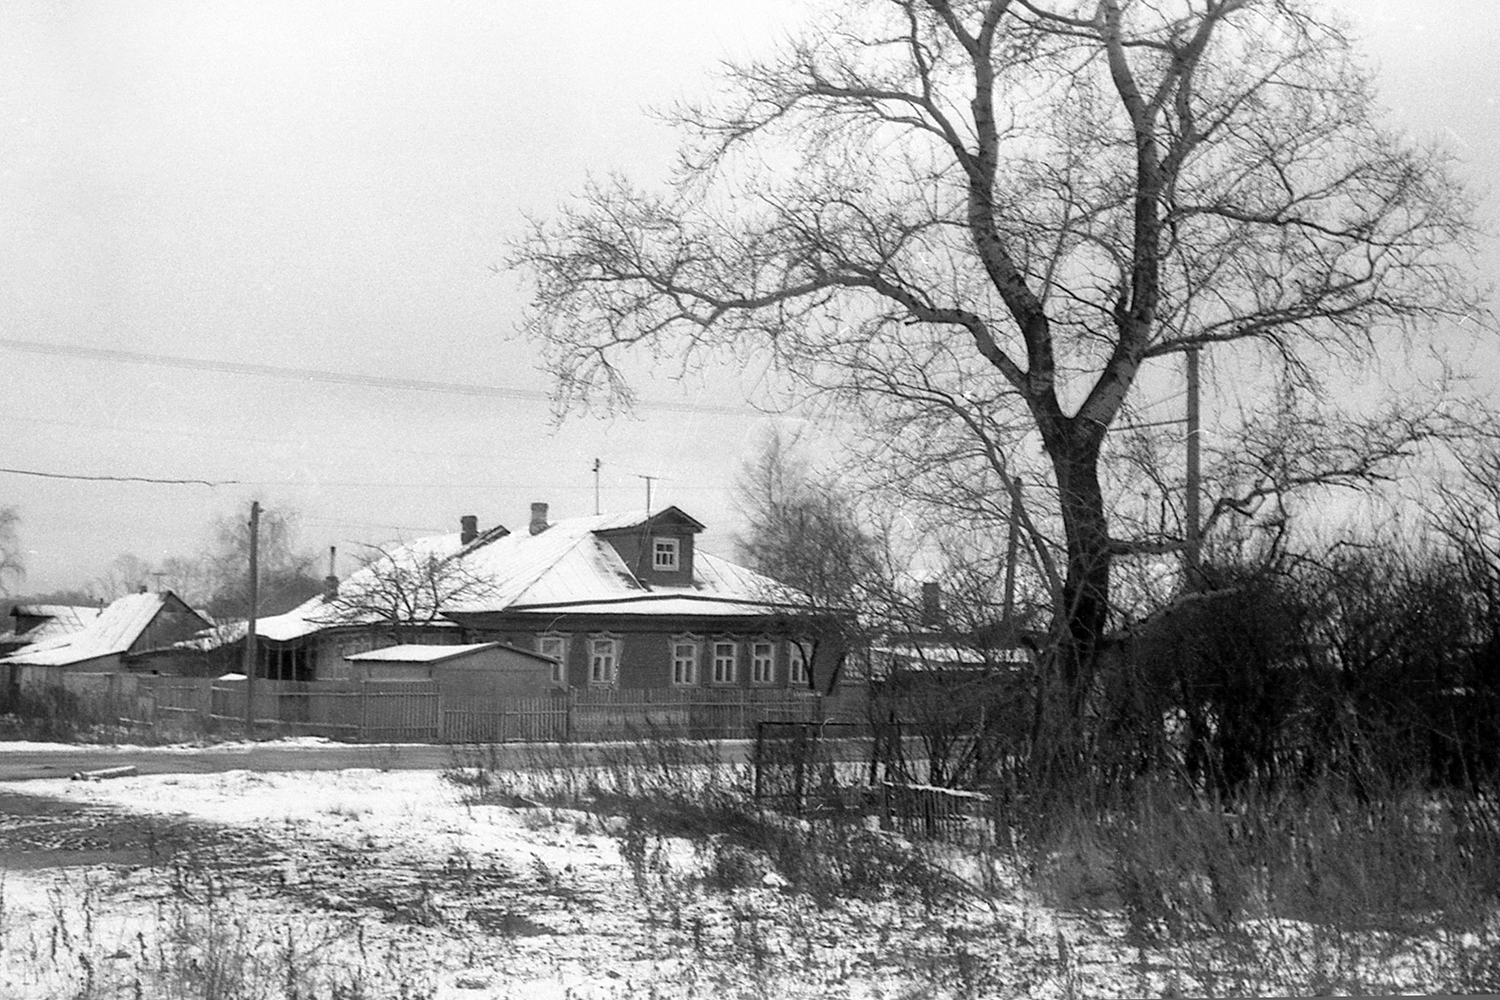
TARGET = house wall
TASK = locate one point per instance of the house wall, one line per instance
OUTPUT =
(173, 623)
(645, 658)
(485, 673)
(326, 650)
(30, 678)
(499, 673)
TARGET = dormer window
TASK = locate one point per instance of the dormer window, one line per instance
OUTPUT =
(665, 555)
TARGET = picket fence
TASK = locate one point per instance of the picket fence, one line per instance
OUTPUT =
(418, 711)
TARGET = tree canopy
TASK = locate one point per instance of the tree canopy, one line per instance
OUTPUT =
(987, 225)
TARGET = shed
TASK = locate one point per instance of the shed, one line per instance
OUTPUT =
(477, 670)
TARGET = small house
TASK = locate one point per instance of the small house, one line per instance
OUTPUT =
(113, 639)
(484, 670)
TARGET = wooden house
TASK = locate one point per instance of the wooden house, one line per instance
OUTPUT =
(114, 639)
(614, 600)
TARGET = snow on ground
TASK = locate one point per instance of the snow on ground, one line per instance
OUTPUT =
(389, 878)
(368, 883)
(33, 746)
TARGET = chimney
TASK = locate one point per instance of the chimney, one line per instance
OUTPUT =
(331, 581)
(932, 604)
(468, 529)
(538, 518)
(143, 589)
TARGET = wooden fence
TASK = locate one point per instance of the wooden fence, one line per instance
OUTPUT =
(418, 711)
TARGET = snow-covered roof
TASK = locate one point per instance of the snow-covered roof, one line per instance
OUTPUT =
(950, 653)
(75, 613)
(570, 566)
(57, 620)
(416, 652)
(111, 630)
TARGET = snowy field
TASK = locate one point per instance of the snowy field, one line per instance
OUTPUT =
(362, 883)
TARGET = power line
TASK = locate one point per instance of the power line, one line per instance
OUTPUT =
(329, 522)
(561, 487)
(339, 378)
(126, 479)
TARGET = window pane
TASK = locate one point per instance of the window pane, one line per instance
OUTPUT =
(796, 665)
(724, 657)
(602, 662)
(555, 647)
(762, 663)
(684, 663)
(664, 553)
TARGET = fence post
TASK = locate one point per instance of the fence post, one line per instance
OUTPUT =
(799, 778)
(760, 735)
(363, 733)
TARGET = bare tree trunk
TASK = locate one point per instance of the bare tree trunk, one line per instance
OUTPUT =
(1086, 591)
(1069, 666)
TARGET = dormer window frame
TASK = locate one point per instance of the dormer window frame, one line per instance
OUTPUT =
(666, 554)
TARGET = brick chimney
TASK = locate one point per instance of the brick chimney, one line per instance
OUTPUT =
(538, 518)
(468, 529)
(331, 581)
(932, 604)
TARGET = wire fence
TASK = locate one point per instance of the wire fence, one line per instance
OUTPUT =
(859, 769)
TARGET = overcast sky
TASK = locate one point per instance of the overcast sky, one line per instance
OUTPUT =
(225, 190)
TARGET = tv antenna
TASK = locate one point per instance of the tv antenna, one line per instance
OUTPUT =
(649, 480)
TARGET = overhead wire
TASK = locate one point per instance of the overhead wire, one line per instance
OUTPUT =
(335, 377)
(125, 479)
(164, 481)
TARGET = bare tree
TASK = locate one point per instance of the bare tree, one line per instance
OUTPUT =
(287, 576)
(404, 589)
(127, 573)
(989, 224)
(802, 528)
(12, 565)
(803, 532)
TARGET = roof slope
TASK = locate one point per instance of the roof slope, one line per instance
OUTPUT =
(431, 654)
(57, 620)
(570, 566)
(114, 629)
(416, 652)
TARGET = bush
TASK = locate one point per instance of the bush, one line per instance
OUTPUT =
(51, 714)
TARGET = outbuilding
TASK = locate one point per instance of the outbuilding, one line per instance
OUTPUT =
(483, 670)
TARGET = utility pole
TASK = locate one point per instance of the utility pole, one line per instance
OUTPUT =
(1194, 475)
(250, 652)
(596, 488)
